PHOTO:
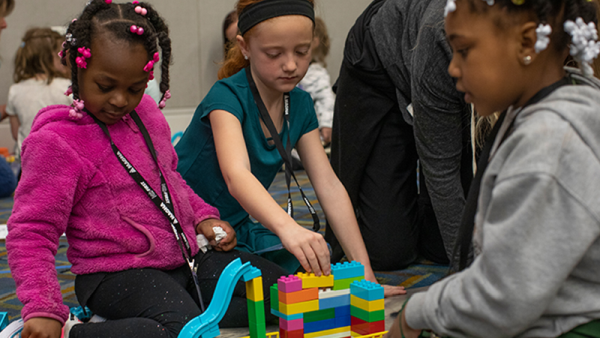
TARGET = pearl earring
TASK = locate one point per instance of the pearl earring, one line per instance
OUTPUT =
(245, 57)
(527, 60)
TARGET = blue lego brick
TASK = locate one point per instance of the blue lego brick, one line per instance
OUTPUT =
(251, 274)
(366, 290)
(347, 270)
(333, 302)
(342, 311)
(343, 321)
(320, 325)
(286, 317)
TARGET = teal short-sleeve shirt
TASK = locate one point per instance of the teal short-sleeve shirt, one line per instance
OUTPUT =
(198, 163)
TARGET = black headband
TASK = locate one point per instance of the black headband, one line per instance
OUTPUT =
(268, 9)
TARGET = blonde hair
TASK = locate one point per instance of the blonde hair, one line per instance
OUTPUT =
(234, 60)
(320, 53)
(36, 55)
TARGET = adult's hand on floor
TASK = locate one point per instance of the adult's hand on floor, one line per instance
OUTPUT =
(388, 290)
(392, 290)
(308, 247)
(41, 327)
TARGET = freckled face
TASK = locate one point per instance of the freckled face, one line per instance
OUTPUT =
(279, 51)
(485, 60)
(114, 82)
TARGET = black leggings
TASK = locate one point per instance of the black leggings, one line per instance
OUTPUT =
(153, 303)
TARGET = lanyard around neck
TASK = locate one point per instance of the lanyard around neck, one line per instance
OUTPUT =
(286, 153)
(165, 204)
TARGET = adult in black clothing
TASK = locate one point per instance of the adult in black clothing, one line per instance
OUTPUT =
(396, 106)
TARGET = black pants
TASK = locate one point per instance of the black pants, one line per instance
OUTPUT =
(373, 152)
(150, 303)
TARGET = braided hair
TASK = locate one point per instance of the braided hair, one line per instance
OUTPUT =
(100, 16)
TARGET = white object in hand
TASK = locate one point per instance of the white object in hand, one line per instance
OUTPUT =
(203, 242)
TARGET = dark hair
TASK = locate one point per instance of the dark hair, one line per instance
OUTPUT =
(36, 55)
(99, 17)
(231, 18)
(10, 5)
(552, 12)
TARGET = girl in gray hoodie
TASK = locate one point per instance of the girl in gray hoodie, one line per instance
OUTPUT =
(536, 271)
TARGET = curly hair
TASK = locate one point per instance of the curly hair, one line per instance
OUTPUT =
(99, 17)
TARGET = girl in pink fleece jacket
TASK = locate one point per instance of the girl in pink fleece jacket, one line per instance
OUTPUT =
(104, 172)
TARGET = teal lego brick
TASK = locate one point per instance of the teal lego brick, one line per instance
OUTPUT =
(366, 290)
(347, 270)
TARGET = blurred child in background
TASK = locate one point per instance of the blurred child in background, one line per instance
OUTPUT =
(40, 81)
(317, 82)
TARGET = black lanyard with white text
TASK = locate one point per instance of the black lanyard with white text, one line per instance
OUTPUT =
(164, 205)
(286, 154)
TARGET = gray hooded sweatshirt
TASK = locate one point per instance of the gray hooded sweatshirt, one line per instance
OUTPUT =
(537, 230)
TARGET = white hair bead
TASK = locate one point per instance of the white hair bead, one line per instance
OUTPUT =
(584, 43)
(543, 39)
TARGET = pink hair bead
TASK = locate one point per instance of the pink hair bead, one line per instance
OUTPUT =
(156, 57)
(108, 1)
(136, 30)
(141, 10)
(135, 2)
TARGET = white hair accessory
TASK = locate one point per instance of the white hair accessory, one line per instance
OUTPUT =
(489, 2)
(584, 43)
(450, 7)
(543, 33)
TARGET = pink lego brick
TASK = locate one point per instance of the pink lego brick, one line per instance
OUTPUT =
(289, 284)
(291, 325)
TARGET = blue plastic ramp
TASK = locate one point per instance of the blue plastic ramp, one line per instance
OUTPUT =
(207, 324)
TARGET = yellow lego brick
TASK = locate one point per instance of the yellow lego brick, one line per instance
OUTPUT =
(254, 289)
(295, 308)
(328, 332)
(367, 305)
(309, 280)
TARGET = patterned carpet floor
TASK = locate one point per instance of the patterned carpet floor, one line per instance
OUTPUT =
(421, 273)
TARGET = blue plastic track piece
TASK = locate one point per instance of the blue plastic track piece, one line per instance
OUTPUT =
(250, 275)
(207, 324)
(3, 320)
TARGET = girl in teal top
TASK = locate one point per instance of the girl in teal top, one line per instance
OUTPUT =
(228, 145)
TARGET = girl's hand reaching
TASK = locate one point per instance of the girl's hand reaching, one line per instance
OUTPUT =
(206, 228)
(309, 248)
(41, 327)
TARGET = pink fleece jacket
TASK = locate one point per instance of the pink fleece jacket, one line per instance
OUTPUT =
(72, 182)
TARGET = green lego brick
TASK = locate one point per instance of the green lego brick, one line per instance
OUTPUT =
(257, 330)
(315, 316)
(342, 284)
(256, 311)
(274, 297)
(369, 317)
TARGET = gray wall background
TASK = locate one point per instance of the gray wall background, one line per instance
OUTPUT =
(196, 37)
